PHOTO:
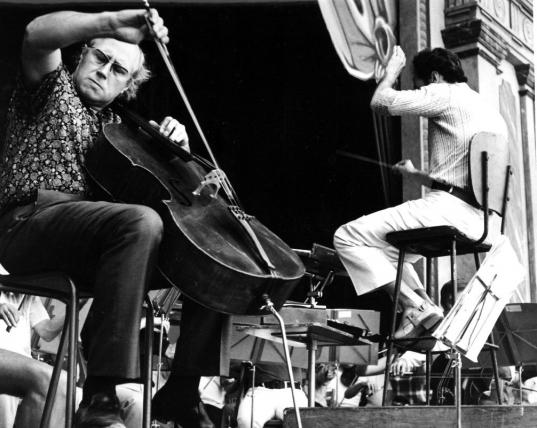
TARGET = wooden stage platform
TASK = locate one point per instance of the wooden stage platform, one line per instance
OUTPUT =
(415, 417)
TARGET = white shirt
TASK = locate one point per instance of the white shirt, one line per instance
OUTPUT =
(456, 113)
(211, 391)
(19, 339)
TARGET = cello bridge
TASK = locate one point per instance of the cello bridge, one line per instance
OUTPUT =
(212, 181)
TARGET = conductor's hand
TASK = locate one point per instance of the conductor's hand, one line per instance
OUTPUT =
(131, 25)
(174, 130)
(9, 314)
(405, 166)
(396, 63)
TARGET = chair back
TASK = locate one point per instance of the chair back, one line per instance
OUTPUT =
(490, 171)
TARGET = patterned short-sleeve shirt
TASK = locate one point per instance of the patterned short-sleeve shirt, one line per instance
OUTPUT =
(49, 131)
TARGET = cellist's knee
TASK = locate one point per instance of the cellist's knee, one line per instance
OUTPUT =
(140, 223)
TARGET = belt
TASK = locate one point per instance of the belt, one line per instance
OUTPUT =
(12, 205)
(463, 195)
(279, 384)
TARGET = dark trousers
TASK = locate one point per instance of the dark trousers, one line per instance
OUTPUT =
(110, 249)
(203, 347)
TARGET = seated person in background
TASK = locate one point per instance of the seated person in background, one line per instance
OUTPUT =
(324, 374)
(529, 385)
(408, 379)
(511, 388)
(27, 380)
(348, 385)
(213, 391)
(270, 396)
(24, 314)
(529, 390)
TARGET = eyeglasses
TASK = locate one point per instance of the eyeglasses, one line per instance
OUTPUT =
(98, 57)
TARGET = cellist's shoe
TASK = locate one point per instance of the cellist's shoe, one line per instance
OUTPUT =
(103, 410)
(188, 411)
(194, 416)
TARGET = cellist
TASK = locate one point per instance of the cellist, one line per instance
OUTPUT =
(48, 220)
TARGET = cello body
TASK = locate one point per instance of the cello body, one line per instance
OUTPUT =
(205, 251)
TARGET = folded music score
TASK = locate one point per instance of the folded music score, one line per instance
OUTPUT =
(471, 320)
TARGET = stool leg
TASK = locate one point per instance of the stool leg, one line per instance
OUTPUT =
(147, 364)
(429, 279)
(429, 290)
(494, 361)
(394, 322)
(456, 355)
(476, 260)
(428, 358)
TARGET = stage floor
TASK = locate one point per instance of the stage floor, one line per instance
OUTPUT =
(415, 417)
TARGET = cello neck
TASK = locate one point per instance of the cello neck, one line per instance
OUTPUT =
(134, 119)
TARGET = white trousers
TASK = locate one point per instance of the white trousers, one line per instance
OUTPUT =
(372, 262)
(8, 410)
(268, 404)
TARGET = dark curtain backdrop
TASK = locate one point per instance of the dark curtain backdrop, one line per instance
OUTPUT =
(275, 103)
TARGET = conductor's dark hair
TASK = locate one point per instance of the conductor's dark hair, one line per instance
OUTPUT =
(441, 60)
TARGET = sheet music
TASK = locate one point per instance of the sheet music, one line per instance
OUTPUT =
(472, 318)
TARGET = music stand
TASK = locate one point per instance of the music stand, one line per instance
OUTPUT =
(515, 333)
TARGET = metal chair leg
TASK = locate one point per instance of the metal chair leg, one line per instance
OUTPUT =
(68, 340)
(457, 369)
(53, 387)
(147, 364)
(72, 308)
(389, 352)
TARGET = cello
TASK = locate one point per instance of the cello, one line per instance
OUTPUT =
(214, 252)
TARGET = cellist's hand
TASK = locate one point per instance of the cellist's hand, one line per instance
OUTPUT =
(135, 25)
(174, 130)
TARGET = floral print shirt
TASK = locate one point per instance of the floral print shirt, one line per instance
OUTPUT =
(48, 133)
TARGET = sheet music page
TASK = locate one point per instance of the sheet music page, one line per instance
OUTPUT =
(472, 318)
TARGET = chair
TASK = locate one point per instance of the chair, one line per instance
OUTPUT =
(488, 152)
(61, 287)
